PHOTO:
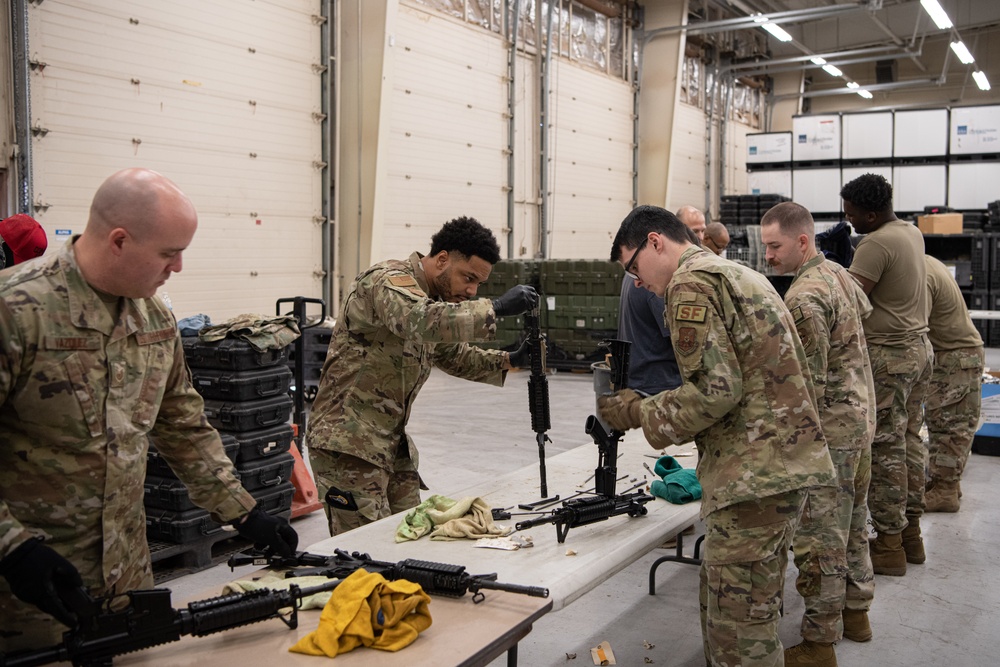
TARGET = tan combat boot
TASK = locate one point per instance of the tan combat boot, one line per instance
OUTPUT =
(942, 497)
(856, 626)
(811, 653)
(887, 555)
(913, 543)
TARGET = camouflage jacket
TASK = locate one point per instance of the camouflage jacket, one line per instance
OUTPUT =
(746, 398)
(386, 340)
(828, 307)
(79, 394)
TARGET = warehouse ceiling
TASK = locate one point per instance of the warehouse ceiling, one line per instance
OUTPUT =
(886, 47)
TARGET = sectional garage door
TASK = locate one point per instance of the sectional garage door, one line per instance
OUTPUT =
(223, 97)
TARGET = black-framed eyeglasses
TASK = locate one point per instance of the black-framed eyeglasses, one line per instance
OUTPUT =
(628, 266)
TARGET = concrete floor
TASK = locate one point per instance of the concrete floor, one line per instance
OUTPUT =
(942, 612)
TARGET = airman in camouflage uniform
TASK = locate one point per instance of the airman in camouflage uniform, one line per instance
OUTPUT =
(951, 410)
(889, 265)
(831, 545)
(747, 403)
(398, 320)
(85, 378)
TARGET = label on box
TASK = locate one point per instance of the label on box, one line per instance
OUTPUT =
(989, 413)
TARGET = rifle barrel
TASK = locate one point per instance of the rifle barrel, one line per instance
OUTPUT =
(533, 591)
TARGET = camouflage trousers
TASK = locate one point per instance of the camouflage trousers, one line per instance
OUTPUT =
(743, 579)
(831, 548)
(901, 377)
(378, 492)
(951, 410)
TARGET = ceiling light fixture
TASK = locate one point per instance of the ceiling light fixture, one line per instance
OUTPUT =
(962, 51)
(937, 14)
(779, 33)
(818, 61)
(981, 80)
(865, 94)
(852, 84)
(832, 70)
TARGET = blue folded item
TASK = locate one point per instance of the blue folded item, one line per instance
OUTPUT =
(190, 326)
(678, 486)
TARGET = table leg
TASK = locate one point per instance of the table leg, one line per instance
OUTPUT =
(677, 557)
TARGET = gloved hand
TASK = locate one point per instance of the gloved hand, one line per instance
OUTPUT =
(521, 357)
(518, 299)
(620, 410)
(38, 575)
(268, 531)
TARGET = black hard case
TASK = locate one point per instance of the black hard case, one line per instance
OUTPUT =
(179, 527)
(276, 499)
(248, 415)
(262, 443)
(242, 385)
(265, 473)
(234, 354)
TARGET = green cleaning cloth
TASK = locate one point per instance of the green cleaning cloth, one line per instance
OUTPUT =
(678, 486)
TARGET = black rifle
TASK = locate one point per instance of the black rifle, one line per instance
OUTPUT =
(607, 443)
(538, 392)
(581, 511)
(150, 620)
(607, 503)
(434, 578)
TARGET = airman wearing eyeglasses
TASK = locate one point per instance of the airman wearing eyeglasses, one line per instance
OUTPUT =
(747, 403)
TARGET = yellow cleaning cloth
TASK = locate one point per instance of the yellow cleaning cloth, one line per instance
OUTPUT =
(367, 610)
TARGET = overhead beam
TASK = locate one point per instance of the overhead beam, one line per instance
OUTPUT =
(747, 22)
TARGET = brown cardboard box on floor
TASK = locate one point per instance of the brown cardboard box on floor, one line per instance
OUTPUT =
(940, 223)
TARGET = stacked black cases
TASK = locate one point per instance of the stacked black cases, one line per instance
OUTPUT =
(247, 400)
(972, 258)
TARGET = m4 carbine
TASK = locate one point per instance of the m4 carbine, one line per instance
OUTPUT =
(150, 620)
(607, 503)
(434, 578)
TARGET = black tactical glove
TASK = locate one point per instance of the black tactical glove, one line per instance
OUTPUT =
(38, 575)
(521, 357)
(267, 531)
(518, 299)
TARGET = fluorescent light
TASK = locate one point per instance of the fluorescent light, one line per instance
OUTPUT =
(819, 61)
(937, 13)
(832, 70)
(776, 30)
(865, 94)
(852, 84)
(962, 51)
(981, 80)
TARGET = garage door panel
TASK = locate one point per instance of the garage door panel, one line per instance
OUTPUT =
(196, 68)
(445, 153)
(82, 108)
(591, 181)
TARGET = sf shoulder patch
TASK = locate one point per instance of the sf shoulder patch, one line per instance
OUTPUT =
(691, 312)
